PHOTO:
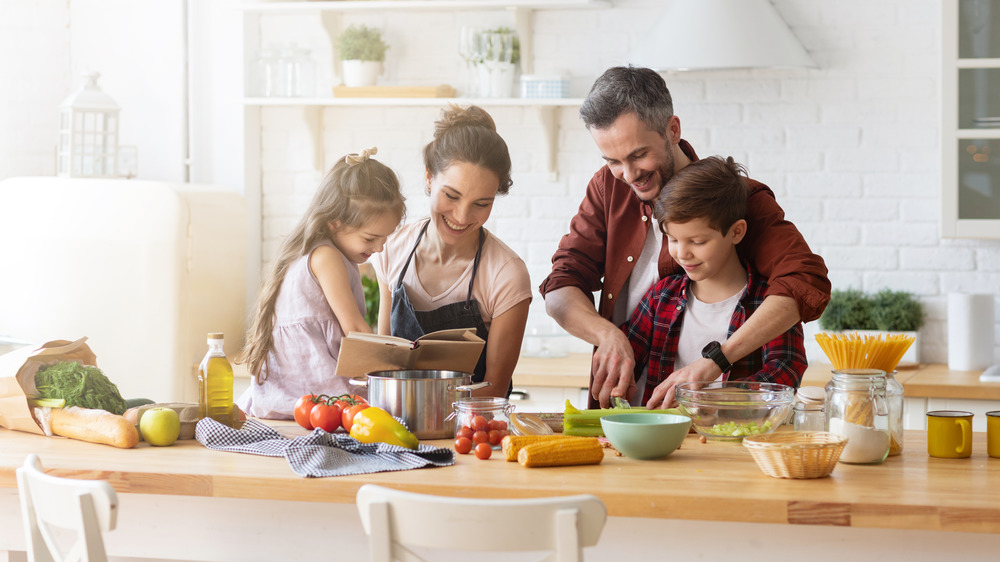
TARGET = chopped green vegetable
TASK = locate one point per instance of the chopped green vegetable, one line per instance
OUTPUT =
(79, 385)
(733, 429)
(587, 423)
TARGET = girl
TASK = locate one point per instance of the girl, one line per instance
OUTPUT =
(314, 296)
(450, 272)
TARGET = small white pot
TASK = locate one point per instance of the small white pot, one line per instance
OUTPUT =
(361, 72)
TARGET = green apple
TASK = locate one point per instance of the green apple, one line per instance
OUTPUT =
(160, 426)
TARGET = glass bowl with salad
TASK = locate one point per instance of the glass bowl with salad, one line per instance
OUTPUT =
(732, 410)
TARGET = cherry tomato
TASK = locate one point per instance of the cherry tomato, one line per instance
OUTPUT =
(464, 431)
(496, 424)
(495, 436)
(347, 417)
(479, 423)
(463, 445)
(326, 417)
(483, 451)
(303, 407)
(480, 437)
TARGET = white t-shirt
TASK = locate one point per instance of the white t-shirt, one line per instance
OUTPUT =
(501, 282)
(703, 322)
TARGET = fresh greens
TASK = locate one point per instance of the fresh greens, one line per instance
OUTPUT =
(733, 429)
(587, 423)
(79, 385)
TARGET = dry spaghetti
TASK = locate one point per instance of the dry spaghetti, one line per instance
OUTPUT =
(853, 351)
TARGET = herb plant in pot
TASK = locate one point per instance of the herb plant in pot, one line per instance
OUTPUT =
(896, 312)
(362, 50)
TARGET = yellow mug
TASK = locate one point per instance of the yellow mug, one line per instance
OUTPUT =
(993, 433)
(949, 434)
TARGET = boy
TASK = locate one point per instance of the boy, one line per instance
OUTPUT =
(684, 316)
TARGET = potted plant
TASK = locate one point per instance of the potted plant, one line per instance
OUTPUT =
(898, 312)
(362, 50)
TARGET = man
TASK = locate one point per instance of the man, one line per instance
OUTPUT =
(614, 246)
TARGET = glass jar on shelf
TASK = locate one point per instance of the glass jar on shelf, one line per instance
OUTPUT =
(482, 419)
(857, 408)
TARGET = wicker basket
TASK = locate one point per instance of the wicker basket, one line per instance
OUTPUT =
(796, 454)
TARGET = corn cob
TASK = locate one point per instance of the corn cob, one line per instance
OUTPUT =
(562, 452)
(512, 444)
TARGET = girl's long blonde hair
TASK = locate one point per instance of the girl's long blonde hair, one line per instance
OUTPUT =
(357, 190)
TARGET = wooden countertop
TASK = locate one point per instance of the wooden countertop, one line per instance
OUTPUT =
(714, 481)
(923, 381)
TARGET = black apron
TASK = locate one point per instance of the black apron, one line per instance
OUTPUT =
(411, 324)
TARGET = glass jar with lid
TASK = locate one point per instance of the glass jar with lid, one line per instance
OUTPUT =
(894, 395)
(809, 409)
(482, 419)
(857, 408)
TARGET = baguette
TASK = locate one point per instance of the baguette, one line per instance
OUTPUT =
(95, 426)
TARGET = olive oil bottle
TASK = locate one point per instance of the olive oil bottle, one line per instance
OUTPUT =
(215, 383)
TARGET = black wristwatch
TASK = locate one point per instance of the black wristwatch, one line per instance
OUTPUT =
(713, 351)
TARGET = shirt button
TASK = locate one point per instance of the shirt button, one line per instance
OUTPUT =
(644, 218)
(610, 296)
(629, 259)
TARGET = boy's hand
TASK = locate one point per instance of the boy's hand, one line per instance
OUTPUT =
(614, 368)
(664, 396)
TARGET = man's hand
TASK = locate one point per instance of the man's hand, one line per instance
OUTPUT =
(613, 367)
(664, 396)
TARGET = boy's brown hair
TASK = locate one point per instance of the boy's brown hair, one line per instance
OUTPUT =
(711, 188)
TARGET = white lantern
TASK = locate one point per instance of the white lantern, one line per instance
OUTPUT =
(88, 133)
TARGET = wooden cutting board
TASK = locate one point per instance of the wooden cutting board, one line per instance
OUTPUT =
(442, 91)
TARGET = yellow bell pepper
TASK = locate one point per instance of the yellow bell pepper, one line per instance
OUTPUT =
(373, 425)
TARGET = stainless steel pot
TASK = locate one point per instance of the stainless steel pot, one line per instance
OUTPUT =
(421, 398)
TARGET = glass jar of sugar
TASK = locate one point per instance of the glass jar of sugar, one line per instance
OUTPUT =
(857, 408)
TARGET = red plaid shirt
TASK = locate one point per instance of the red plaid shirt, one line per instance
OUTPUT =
(655, 328)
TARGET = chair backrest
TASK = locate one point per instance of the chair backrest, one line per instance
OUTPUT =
(85, 506)
(396, 519)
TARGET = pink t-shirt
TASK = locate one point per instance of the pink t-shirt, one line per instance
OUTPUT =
(501, 283)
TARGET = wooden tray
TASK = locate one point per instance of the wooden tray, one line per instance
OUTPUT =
(442, 91)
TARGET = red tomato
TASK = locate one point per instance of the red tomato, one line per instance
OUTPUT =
(463, 445)
(303, 407)
(326, 417)
(495, 436)
(496, 424)
(483, 451)
(479, 423)
(464, 431)
(347, 417)
(480, 437)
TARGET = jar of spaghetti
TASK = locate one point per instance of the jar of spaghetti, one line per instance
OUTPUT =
(857, 408)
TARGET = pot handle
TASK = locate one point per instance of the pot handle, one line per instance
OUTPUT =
(358, 381)
(475, 386)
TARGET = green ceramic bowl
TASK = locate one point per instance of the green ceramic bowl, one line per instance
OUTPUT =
(645, 436)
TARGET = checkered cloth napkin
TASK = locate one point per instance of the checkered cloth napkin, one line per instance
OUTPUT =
(319, 453)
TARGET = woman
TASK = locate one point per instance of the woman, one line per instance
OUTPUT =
(448, 271)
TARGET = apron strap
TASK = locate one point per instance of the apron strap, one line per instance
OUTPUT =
(475, 265)
(399, 280)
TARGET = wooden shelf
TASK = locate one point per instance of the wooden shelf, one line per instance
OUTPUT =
(494, 102)
(373, 5)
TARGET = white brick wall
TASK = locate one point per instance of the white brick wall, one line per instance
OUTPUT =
(850, 149)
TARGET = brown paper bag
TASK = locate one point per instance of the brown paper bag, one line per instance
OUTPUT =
(17, 378)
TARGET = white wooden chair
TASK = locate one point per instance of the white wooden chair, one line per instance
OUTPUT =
(85, 506)
(395, 520)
